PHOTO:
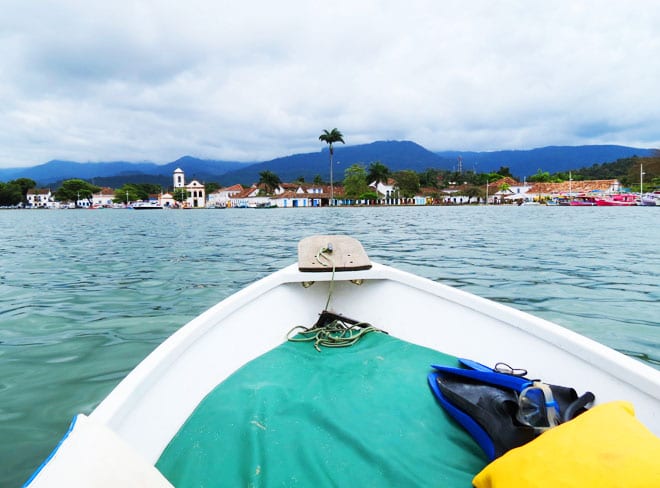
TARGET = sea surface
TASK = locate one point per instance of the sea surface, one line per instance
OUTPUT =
(85, 295)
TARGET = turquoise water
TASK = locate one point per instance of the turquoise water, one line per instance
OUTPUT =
(85, 295)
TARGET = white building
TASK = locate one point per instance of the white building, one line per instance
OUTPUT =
(104, 198)
(386, 190)
(248, 198)
(41, 198)
(167, 200)
(296, 199)
(195, 191)
(221, 197)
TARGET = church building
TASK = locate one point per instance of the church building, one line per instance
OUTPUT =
(195, 191)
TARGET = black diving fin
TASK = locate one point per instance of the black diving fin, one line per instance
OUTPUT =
(501, 410)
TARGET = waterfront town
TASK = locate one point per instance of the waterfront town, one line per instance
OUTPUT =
(504, 191)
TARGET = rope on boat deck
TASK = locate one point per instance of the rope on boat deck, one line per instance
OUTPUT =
(335, 333)
(332, 334)
(324, 253)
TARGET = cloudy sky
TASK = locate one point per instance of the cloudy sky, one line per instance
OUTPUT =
(253, 80)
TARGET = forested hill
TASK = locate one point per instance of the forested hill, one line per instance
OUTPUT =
(120, 171)
(396, 155)
(551, 159)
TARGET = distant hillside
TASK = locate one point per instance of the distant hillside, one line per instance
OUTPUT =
(201, 169)
(552, 159)
(54, 171)
(396, 155)
(165, 181)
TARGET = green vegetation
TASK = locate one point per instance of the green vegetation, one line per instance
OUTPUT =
(546, 177)
(180, 195)
(355, 182)
(606, 171)
(15, 192)
(270, 180)
(408, 183)
(432, 178)
(25, 184)
(10, 195)
(651, 168)
(75, 190)
(211, 187)
(626, 170)
(131, 192)
(378, 173)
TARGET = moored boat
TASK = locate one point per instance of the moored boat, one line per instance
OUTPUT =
(651, 199)
(583, 201)
(618, 200)
(147, 206)
(228, 398)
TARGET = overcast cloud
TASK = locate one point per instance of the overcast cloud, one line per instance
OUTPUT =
(254, 80)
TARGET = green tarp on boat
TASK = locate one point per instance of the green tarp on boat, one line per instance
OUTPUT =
(357, 416)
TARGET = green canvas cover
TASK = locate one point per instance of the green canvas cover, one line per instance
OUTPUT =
(357, 416)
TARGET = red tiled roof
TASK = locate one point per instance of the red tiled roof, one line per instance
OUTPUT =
(235, 187)
(507, 180)
(246, 192)
(428, 191)
(573, 186)
(290, 194)
(290, 186)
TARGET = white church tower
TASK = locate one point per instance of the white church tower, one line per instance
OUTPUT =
(195, 191)
(179, 178)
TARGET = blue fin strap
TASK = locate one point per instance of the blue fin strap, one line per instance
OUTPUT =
(469, 363)
(490, 377)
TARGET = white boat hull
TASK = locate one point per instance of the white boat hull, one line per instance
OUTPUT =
(185, 368)
(214, 345)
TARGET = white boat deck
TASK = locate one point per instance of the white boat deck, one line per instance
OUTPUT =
(196, 358)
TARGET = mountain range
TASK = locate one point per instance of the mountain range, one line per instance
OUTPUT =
(396, 155)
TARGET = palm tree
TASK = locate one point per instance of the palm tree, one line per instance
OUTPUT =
(270, 180)
(378, 173)
(330, 137)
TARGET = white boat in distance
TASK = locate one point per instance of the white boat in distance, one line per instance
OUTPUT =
(147, 206)
(121, 442)
(651, 199)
